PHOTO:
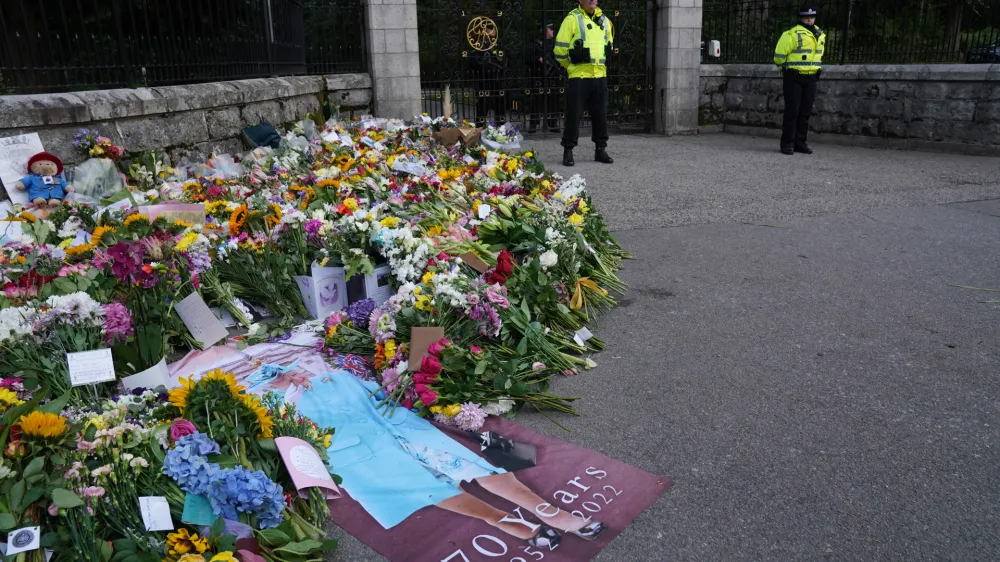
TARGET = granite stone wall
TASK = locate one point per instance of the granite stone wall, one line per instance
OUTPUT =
(192, 120)
(953, 108)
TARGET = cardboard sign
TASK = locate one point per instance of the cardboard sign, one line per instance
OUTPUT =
(90, 367)
(203, 325)
(448, 137)
(421, 338)
(156, 513)
(153, 377)
(474, 262)
(14, 155)
(305, 467)
(325, 291)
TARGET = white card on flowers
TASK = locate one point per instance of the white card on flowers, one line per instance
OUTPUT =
(90, 367)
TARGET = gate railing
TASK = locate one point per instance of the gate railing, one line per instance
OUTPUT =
(67, 45)
(860, 31)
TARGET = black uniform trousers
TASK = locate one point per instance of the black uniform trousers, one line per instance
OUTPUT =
(800, 93)
(586, 94)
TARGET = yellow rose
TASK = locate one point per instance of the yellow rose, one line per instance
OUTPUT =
(575, 219)
(224, 557)
(452, 410)
(426, 279)
(437, 409)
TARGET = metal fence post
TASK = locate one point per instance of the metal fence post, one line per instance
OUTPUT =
(847, 33)
(122, 47)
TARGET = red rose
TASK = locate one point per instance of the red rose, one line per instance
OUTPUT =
(505, 263)
(430, 365)
(496, 277)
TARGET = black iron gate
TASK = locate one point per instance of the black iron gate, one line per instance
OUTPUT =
(479, 60)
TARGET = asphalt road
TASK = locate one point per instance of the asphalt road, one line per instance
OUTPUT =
(793, 357)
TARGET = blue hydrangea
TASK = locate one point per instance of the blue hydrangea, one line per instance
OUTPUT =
(188, 465)
(251, 492)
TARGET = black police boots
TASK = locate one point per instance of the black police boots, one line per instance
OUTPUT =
(787, 150)
(601, 156)
(804, 149)
(568, 157)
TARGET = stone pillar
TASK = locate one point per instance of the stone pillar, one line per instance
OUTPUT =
(677, 66)
(393, 57)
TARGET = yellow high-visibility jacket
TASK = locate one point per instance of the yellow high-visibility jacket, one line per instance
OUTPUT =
(579, 25)
(799, 49)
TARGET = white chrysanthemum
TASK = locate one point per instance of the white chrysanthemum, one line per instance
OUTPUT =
(15, 321)
(75, 307)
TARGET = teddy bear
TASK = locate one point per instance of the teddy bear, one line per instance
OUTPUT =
(44, 181)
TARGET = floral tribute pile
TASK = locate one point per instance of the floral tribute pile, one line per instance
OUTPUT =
(508, 259)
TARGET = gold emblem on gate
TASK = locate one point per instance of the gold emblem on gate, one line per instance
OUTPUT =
(481, 33)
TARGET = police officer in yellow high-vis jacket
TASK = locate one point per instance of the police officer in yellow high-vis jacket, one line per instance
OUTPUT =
(799, 56)
(582, 46)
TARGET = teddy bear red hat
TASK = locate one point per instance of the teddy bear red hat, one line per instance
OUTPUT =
(42, 156)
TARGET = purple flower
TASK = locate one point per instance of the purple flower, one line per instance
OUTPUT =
(117, 323)
(471, 417)
(360, 312)
(312, 228)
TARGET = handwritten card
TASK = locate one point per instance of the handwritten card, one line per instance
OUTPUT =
(153, 377)
(90, 367)
(421, 339)
(197, 510)
(306, 467)
(200, 321)
(156, 513)
(14, 154)
(23, 540)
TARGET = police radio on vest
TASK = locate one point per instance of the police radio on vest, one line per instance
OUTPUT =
(714, 48)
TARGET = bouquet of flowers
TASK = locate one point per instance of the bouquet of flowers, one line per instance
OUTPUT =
(92, 144)
(505, 137)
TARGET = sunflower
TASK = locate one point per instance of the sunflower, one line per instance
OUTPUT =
(79, 249)
(228, 378)
(310, 196)
(134, 218)
(238, 218)
(42, 424)
(265, 421)
(182, 224)
(178, 396)
(274, 218)
(183, 542)
(98, 236)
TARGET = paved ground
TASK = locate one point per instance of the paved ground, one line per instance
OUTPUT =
(814, 387)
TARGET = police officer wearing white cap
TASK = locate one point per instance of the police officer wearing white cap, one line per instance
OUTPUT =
(799, 56)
